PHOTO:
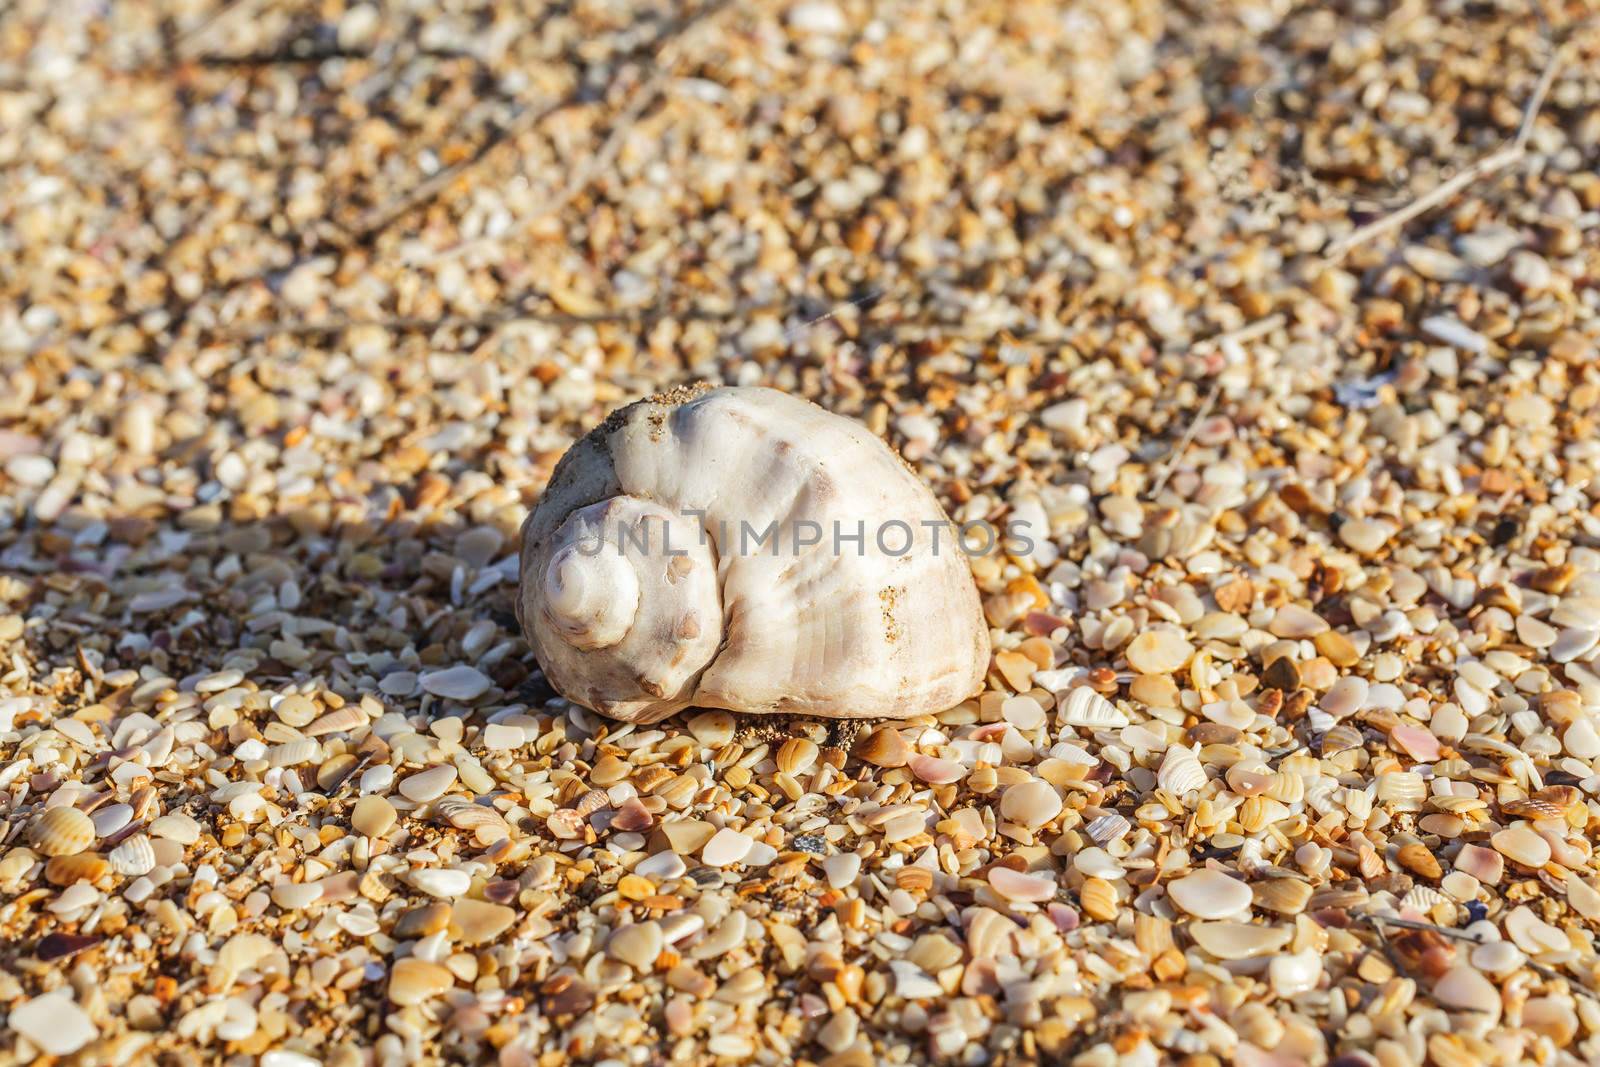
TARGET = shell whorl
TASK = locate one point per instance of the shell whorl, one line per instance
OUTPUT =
(837, 630)
(591, 597)
(628, 611)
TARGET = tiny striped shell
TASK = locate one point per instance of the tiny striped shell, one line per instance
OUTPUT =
(1424, 898)
(591, 802)
(1258, 813)
(1099, 899)
(1286, 896)
(1180, 772)
(1533, 808)
(1084, 707)
(133, 857)
(1320, 795)
(294, 753)
(61, 831)
(1340, 738)
(1287, 788)
(78, 867)
(487, 824)
(1107, 828)
(337, 721)
(1404, 790)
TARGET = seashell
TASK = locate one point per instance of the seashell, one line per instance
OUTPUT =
(133, 857)
(1098, 899)
(1294, 974)
(1084, 707)
(1521, 844)
(1247, 780)
(1030, 803)
(935, 771)
(883, 747)
(1286, 896)
(1258, 813)
(1533, 808)
(1014, 885)
(338, 721)
(442, 882)
(1180, 772)
(1424, 898)
(78, 867)
(797, 755)
(1341, 738)
(293, 753)
(1403, 790)
(564, 824)
(1418, 860)
(1107, 828)
(486, 823)
(1239, 941)
(1287, 788)
(592, 801)
(61, 831)
(699, 548)
(1209, 894)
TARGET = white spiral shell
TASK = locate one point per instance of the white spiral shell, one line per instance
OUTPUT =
(647, 585)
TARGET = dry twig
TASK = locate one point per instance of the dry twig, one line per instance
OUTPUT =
(1492, 163)
(1188, 437)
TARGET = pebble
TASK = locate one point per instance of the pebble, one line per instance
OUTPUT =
(725, 848)
(428, 784)
(637, 945)
(1032, 803)
(456, 683)
(1365, 536)
(414, 981)
(1462, 987)
(292, 896)
(480, 921)
(842, 869)
(1209, 894)
(712, 728)
(372, 816)
(53, 1023)
(1159, 652)
(1521, 844)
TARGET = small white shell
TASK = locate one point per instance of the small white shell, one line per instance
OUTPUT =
(133, 857)
(1180, 772)
(1084, 707)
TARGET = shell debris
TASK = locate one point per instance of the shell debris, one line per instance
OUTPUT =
(1278, 743)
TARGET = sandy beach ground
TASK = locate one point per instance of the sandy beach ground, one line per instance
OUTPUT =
(1282, 319)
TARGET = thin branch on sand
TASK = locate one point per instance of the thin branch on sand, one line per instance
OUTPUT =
(486, 321)
(1492, 163)
(1188, 438)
